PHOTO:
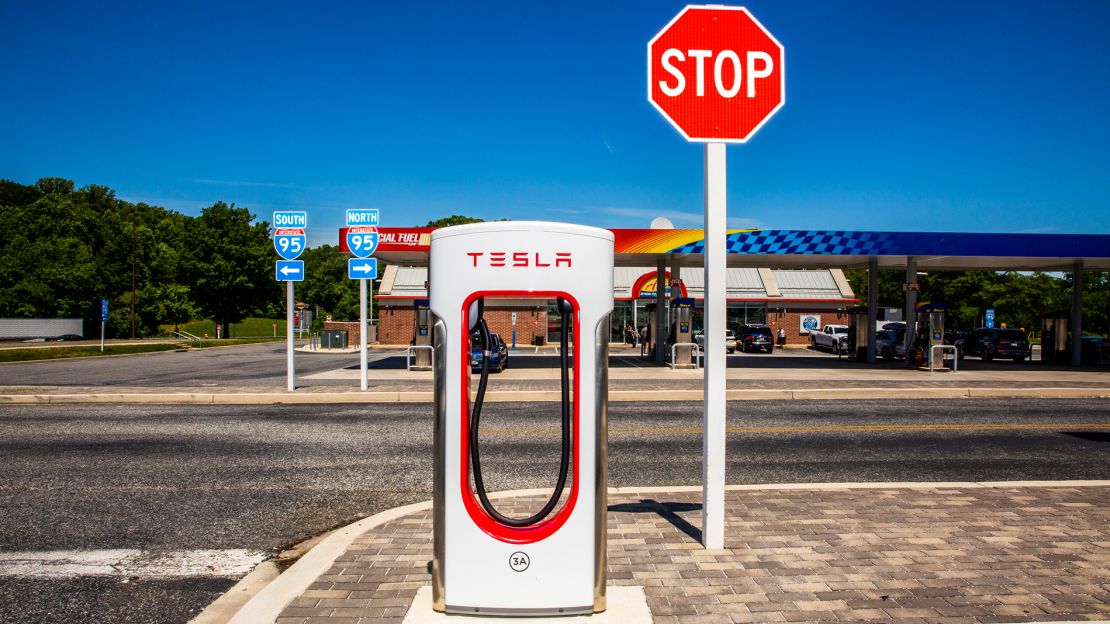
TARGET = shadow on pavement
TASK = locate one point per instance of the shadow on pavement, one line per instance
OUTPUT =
(667, 511)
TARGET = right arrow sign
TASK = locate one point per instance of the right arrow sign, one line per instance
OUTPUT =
(362, 268)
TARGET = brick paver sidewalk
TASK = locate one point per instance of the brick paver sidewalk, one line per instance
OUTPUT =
(876, 554)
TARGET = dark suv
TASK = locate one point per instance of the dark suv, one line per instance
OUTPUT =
(993, 343)
(755, 337)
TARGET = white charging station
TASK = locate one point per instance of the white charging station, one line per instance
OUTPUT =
(553, 563)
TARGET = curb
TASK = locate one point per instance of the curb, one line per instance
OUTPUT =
(268, 603)
(293, 398)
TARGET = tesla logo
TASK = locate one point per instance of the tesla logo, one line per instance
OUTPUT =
(520, 259)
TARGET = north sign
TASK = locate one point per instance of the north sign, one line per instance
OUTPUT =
(362, 268)
(716, 74)
(289, 242)
(362, 240)
(362, 216)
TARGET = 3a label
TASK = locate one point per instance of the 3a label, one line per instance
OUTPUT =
(519, 561)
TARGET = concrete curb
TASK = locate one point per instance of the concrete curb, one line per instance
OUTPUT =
(268, 603)
(293, 398)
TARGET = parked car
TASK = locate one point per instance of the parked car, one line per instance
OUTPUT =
(988, 344)
(68, 337)
(831, 337)
(757, 337)
(498, 355)
(730, 341)
(890, 344)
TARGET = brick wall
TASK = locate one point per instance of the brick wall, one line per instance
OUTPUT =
(352, 331)
(395, 325)
(791, 321)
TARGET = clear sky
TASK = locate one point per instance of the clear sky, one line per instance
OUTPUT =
(958, 116)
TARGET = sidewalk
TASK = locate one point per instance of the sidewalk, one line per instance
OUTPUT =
(531, 378)
(904, 553)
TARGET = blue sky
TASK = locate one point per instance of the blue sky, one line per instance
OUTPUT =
(942, 116)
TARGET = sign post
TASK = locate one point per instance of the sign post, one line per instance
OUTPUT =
(103, 321)
(362, 240)
(289, 242)
(716, 74)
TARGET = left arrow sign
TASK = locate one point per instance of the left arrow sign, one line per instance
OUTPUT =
(289, 270)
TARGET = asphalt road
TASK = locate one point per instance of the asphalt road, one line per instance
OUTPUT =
(241, 366)
(181, 478)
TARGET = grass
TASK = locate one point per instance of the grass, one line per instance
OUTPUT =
(27, 354)
(55, 353)
(250, 327)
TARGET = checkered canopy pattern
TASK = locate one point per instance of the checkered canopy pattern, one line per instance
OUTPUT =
(843, 243)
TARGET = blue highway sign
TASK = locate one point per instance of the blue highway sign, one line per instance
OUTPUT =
(362, 216)
(362, 240)
(362, 268)
(290, 219)
(289, 242)
(289, 270)
(103, 310)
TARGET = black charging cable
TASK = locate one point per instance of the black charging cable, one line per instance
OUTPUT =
(566, 311)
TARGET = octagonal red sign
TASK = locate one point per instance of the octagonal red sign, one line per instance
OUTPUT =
(716, 74)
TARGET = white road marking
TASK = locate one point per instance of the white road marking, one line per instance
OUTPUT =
(129, 562)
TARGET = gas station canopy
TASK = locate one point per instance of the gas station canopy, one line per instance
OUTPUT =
(822, 249)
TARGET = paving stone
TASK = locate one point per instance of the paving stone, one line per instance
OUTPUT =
(948, 555)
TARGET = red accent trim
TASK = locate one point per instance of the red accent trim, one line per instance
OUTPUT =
(496, 530)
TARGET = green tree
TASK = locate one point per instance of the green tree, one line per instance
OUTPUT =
(453, 220)
(229, 264)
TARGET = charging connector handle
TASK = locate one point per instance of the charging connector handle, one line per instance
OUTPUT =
(567, 314)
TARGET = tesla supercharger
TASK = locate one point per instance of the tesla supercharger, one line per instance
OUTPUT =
(485, 561)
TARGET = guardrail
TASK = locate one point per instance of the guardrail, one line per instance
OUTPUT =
(410, 352)
(943, 349)
(696, 350)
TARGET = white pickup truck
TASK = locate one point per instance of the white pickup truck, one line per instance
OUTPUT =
(831, 337)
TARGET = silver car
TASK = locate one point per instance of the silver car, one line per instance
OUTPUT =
(730, 341)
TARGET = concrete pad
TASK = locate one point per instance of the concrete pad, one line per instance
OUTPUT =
(623, 604)
(881, 393)
(1050, 393)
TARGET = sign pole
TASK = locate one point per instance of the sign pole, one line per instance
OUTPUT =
(362, 333)
(102, 336)
(713, 466)
(290, 366)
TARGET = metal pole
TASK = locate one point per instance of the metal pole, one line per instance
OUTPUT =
(872, 305)
(1077, 314)
(102, 336)
(713, 465)
(658, 333)
(911, 307)
(362, 333)
(290, 366)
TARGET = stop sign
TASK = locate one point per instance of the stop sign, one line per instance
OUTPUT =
(716, 74)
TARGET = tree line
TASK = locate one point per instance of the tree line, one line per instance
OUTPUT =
(1018, 298)
(64, 249)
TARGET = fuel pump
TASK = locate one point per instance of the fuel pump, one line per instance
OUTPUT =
(487, 561)
(422, 336)
(930, 329)
(682, 311)
(1054, 338)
